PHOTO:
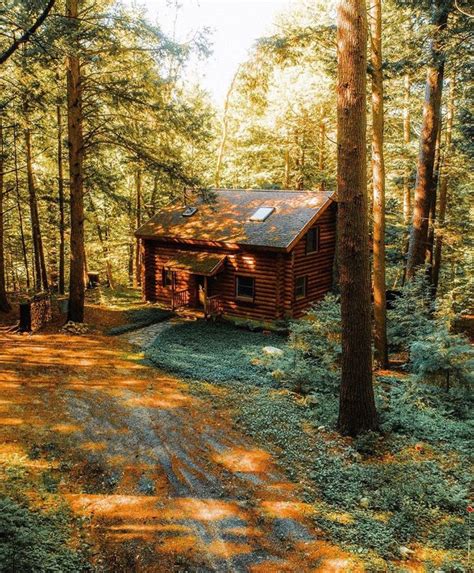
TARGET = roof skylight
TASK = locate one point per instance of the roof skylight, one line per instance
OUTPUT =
(189, 211)
(262, 213)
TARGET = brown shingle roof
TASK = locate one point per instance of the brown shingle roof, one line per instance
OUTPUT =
(197, 262)
(224, 217)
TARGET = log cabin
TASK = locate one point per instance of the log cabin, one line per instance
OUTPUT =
(260, 255)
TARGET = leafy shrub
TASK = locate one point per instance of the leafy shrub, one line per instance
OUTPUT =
(33, 542)
(427, 413)
(442, 357)
(215, 352)
(409, 318)
(311, 361)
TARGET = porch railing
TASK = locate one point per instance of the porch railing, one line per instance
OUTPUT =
(179, 299)
(213, 305)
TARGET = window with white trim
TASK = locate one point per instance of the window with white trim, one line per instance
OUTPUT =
(301, 286)
(244, 287)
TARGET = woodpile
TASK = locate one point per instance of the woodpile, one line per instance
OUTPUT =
(35, 313)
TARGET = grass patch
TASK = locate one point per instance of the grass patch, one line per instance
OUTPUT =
(215, 352)
(37, 541)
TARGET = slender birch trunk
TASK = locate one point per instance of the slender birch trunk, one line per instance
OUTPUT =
(357, 411)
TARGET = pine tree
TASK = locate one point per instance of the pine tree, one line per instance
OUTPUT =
(424, 188)
(76, 175)
(357, 411)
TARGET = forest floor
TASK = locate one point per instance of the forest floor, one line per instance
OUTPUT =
(205, 464)
(160, 478)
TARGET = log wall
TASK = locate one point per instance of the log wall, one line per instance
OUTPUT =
(317, 266)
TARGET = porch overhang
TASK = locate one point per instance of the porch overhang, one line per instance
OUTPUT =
(196, 263)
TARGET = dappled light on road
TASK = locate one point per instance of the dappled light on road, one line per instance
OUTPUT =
(160, 476)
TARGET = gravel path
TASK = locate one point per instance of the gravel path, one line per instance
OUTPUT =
(165, 481)
(144, 337)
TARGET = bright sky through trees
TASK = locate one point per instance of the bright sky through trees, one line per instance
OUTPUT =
(234, 24)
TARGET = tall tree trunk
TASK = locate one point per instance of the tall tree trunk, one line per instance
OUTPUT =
(104, 245)
(357, 411)
(378, 185)
(61, 279)
(406, 173)
(433, 198)
(138, 219)
(151, 210)
(76, 156)
(406, 141)
(322, 147)
(131, 245)
(41, 272)
(429, 132)
(20, 213)
(443, 187)
(225, 129)
(286, 181)
(4, 304)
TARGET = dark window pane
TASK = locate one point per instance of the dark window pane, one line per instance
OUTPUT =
(300, 287)
(245, 287)
(312, 240)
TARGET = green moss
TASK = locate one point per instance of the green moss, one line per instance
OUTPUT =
(215, 352)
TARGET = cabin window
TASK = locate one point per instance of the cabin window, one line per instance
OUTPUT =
(245, 288)
(167, 277)
(301, 284)
(312, 240)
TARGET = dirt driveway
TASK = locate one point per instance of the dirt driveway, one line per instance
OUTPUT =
(164, 481)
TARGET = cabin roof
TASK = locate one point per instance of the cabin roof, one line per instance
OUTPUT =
(197, 262)
(223, 216)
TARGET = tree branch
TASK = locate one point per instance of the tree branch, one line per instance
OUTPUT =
(26, 36)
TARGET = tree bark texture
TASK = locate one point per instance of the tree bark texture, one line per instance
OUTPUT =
(225, 129)
(406, 141)
(138, 219)
(378, 186)
(76, 156)
(429, 132)
(443, 187)
(62, 229)
(322, 147)
(41, 272)
(20, 213)
(4, 304)
(357, 411)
